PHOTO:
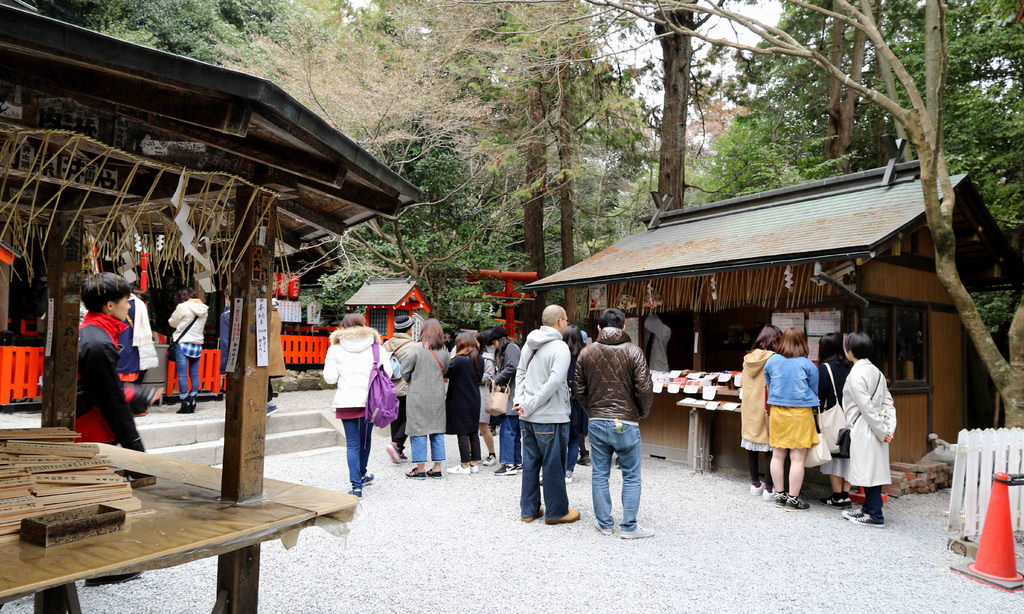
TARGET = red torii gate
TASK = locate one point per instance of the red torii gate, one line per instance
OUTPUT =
(508, 295)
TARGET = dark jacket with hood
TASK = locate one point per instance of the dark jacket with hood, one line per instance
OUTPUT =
(612, 378)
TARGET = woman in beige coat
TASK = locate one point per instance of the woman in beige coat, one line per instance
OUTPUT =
(753, 421)
(870, 412)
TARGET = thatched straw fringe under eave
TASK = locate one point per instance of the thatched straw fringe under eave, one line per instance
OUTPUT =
(709, 293)
(112, 193)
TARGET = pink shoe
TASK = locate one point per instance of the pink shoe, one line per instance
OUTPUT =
(393, 452)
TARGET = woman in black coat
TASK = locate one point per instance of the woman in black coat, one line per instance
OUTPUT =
(832, 371)
(462, 403)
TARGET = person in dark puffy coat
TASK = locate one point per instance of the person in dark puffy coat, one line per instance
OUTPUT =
(506, 358)
(613, 384)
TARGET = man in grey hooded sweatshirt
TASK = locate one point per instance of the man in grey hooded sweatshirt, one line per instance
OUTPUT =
(542, 401)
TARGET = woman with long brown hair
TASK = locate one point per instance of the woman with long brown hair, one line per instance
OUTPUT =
(424, 368)
(753, 418)
(462, 405)
(792, 396)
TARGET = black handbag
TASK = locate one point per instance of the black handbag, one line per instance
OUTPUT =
(172, 347)
(843, 440)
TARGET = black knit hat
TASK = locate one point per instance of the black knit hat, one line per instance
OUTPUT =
(402, 322)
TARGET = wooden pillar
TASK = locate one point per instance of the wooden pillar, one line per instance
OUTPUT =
(63, 293)
(5, 295)
(246, 397)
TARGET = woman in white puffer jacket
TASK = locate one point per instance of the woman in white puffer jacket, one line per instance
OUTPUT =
(348, 364)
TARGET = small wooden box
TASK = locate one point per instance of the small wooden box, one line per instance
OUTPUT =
(136, 479)
(71, 525)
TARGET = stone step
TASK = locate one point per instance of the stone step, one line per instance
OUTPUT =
(189, 432)
(211, 452)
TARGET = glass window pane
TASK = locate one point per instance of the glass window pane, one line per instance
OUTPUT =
(379, 320)
(877, 327)
(909, 344)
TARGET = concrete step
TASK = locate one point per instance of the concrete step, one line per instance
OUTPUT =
(189, 432)
(212, 452)
(202, 441)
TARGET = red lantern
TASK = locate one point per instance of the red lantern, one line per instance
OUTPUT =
(293, 287)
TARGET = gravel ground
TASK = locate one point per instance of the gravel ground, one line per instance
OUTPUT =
(455, 544)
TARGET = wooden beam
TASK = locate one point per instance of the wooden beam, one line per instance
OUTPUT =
(143, 97)
(64, 288)
(312, 217)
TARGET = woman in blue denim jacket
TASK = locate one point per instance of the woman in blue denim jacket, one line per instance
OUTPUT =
(792, 396)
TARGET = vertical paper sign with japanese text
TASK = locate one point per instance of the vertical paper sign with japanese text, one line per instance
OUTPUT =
(236, 335)
(262, 353)
(49, 327)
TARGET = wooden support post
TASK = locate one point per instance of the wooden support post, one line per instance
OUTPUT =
(246, 397)
(60, 356)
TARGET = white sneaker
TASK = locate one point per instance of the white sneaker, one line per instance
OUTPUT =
(602, 530)
(474, 468)
(757, 490)
(490, 460)
(768, 495)
(458, 469)
(636, 533)
(568, 477)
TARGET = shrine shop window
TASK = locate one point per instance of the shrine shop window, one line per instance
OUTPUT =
(378, 318)
(899, 335)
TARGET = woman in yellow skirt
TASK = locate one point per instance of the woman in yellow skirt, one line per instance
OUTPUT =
(792, 396)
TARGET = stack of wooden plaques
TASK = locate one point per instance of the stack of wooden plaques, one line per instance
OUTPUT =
(42, 471)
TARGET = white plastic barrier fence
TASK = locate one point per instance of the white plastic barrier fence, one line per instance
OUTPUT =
(979, 454)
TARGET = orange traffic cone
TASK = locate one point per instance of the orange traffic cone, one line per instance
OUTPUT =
(996, 564)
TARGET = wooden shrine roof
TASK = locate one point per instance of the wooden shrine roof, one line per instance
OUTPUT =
(847, 217)
(381, 292)
(182, 113)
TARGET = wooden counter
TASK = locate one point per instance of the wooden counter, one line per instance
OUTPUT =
(182, 519)
(668, 430)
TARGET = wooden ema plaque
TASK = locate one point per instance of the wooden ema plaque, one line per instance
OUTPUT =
(71, 525)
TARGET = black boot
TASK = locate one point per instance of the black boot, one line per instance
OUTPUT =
(188, 405)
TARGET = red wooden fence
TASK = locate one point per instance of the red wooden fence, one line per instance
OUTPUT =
(20, 367)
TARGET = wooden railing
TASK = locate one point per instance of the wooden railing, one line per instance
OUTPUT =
(20, 367)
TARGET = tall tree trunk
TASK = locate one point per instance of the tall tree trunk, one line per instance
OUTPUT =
(884, 72)
(533, 209)
(676, 51)
(833, 111)
(841, 110)
(567, 161)
(924, 127)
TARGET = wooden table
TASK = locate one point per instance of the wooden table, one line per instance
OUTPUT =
(182, 519)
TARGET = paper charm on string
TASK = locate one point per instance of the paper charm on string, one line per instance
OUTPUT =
(204, 270)
(714, 289)
(789, 278)
(160, 243)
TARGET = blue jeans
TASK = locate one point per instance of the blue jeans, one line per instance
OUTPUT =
(873, 503)
(187, 369)
(357, 446)
(626, 444)
(544, 446)
(419, 448)
(510, 451)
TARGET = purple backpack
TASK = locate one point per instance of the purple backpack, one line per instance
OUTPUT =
(381, 399)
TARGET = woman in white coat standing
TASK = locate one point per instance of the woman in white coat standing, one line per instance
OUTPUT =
(872, 416)
(348, 364)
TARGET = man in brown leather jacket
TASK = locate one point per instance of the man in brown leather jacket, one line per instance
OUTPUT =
(613, 384)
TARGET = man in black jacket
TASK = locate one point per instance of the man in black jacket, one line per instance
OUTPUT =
(102, 412)
(613, 384)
